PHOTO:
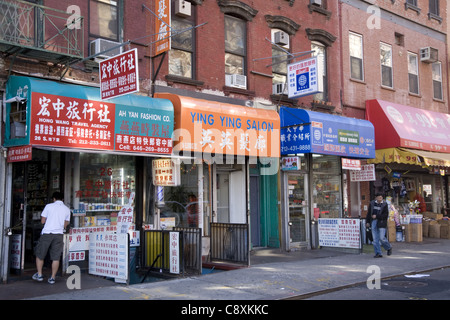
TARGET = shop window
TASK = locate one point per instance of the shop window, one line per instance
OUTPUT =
(386, 65)
(106, 183)
(437, 80)
(326, 183)
(413, 73)
(181, 55)
(356, 56)
(103, 19)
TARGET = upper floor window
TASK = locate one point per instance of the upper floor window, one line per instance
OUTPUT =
(103, 19)
(280, 56)
(235, 45)
(413, 73)
(321, 54)
(434, 7)
(386, 65)
(412, 2)
(181, 55)
(437, 80)
(356, 56)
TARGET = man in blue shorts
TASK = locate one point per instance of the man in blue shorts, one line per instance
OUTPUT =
(55, 218)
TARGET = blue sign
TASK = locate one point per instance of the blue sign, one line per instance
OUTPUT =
(304, 131)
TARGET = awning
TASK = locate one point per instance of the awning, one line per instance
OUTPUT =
(213, 127)
(304, 131)
(401, 126)
(61, 115)
(411, 156)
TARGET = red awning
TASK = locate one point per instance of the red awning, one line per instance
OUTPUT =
(402, 126)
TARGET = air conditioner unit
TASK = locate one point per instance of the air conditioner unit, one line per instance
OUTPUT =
(236, 81)
(281, 38)
(316, 2)
(428, 54)
(278, 88)
(182, 8)
(100, 45)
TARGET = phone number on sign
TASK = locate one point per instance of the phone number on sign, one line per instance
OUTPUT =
(126, 147)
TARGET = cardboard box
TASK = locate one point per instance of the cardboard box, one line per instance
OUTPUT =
(445, 231)
(425, 227)
(432, 215)
(434, 230)
(391, 232)
(416, 232)
(407, 229)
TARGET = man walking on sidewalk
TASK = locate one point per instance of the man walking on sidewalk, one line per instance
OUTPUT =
(55, 217)
(377, 219)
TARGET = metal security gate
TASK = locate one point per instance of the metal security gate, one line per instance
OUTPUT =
(192, 249)
(229, 242)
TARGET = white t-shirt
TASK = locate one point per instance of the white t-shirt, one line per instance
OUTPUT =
(55, 213)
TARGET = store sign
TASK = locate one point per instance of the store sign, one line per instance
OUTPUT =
(22, 153)
(291, 163)
(16, 252)
(174, 244)
(108, 255)
(303, 78)
(367, 173)
(166, 172)
(351, 164)
(342, 233)
(162, 26)
(119, 75)
(304, 131)
(79, 123)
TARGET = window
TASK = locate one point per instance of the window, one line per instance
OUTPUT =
(413, 73)
(434, 7)
(320, 52)
(437, 80)
(356, 56)
(103, 19)
(181, 55)
(386, 65)
(235, 45)
(279, 65)
(412, 2)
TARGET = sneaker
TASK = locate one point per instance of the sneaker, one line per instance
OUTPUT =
(38, 277)
(389, 252)
(51, 280)
(378, 256)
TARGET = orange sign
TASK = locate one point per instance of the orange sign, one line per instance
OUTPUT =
(162, 26)
(218, 128)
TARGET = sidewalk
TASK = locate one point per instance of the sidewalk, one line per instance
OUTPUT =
(273, 275)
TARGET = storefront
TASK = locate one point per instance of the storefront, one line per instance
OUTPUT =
(63, 137)
(412, 155)
(313, 146)
(231, 168)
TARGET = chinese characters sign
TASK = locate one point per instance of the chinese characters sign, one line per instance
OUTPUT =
(22, 153)
(343, 233)
(162, 26)
(174, 245)
(303, 78)
(367, 173)
(119, 75)
(108, 254)
(79, 123)
(305, 131)
(165, 172)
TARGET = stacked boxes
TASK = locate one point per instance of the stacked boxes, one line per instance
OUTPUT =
(436, 226)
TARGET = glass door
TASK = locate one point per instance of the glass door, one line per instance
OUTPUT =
(298, 208)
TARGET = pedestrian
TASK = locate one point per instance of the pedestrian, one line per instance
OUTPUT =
(377, 219)
(55, 217)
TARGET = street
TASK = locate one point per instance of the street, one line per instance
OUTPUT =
(433, 285)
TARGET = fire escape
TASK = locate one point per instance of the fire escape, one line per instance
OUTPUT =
(37, 32)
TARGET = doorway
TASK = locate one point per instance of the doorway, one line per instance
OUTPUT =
(297, 209)
(33, 182)
(255, 218)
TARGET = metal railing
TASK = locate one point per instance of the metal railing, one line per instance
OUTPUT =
(35, 26)
(192, 249)
(229, 242)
